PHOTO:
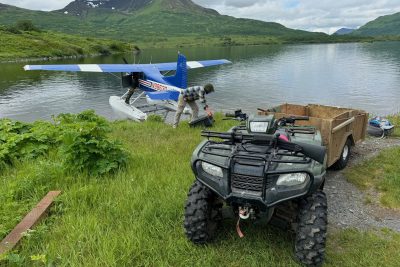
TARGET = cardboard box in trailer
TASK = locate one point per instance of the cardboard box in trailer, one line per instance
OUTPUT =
(338, 126)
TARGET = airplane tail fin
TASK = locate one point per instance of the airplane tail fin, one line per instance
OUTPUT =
(180, 78)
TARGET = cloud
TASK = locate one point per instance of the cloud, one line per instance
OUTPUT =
(46, 5)
(311, 15)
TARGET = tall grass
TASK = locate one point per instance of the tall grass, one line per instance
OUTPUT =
(39, 44)
(381, 174)
(134, 217)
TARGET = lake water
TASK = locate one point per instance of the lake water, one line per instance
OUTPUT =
(365, 76)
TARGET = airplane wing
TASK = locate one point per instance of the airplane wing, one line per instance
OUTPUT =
(91, 67)
(191, 64)
(126, 67)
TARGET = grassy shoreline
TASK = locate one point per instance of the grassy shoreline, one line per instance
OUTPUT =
(134, 216)
(30, 45)
(44, 45)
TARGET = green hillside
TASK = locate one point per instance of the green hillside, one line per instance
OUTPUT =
(385, 25)
(19, 43)
(161, 18)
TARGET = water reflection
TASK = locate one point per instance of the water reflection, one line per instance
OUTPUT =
(356, 75)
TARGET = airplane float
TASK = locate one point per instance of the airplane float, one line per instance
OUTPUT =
(158, 90)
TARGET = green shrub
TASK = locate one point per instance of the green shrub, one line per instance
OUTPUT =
(85, 146)
(13, 29)
(26, 25)
(116, 47)
(101, 50)
(79, 50)
(80, 140)
(24, 141)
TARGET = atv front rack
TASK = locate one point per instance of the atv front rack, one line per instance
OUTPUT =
(314, 152)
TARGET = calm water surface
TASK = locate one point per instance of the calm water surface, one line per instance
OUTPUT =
(365, 76)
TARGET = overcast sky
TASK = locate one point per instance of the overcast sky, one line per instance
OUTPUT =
(311, 15)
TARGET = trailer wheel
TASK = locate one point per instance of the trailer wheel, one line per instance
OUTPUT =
(203, 213)
(341, 163)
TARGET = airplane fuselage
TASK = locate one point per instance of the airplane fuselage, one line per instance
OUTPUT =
(152, 86)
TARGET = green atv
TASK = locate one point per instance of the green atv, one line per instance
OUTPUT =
(268, 168)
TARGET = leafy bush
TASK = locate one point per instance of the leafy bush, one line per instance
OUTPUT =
(80, 139)
(85, 145)
(20, 140)
(13, 29)
(26, 25)
(102, 50)
(22, 25)
(117, 47)
(79, 50)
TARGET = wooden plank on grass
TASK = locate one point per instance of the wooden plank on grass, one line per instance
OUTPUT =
(30, 220)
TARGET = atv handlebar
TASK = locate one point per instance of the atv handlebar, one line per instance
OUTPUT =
(291, 120)
(314, 152)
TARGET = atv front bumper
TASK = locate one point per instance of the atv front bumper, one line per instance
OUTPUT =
(257, 191)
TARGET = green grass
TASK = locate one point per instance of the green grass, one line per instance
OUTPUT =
(134, 217)
(395, 120)
(33, 44)
(381, 174)
(354, 248)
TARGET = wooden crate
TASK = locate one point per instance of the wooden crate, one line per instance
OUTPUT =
(335, 124)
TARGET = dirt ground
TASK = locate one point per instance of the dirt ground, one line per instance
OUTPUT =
(346, 203)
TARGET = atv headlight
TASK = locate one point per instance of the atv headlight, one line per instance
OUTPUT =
(259, 126)
(290, 179)
(212, 169)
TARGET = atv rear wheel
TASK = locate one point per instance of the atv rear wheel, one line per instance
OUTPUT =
(341, 163)
(203, 213)
(311, 229)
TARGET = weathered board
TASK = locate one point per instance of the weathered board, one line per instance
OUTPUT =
(30, 220)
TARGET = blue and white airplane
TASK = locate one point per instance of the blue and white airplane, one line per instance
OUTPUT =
(159, 89)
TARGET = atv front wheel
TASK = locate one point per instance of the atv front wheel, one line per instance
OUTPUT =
(341, 163)
(311, 229)
(203, 212)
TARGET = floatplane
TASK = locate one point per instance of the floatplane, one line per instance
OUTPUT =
(159, 90)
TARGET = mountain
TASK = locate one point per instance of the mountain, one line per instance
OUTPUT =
(79, 7)
(385, 25)
(148, 20)
(82, 6)
(344, 31)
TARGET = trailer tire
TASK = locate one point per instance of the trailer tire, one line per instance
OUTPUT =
(311, 230)
(341, 163)
(203, 214)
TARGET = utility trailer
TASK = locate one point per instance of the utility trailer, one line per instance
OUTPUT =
(340, 128)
